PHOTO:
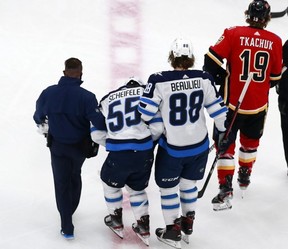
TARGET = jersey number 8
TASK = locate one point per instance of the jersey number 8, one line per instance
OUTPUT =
(183, 107)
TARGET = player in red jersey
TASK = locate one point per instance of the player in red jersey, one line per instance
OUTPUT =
(246, 49)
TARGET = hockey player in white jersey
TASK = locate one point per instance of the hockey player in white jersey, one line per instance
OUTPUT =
(181, 96)
(129, 141)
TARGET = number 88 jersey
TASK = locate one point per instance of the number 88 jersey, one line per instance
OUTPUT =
(181, 97)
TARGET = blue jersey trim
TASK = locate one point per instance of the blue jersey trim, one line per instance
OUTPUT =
(215, 102)
(129, 146)
(148, 101)
(142, 110)
(215, 114)
(180, 152)
(155, 120)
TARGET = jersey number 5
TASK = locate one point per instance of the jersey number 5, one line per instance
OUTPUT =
(129, 116)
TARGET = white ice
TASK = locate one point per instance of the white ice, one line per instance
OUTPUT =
(36, 36)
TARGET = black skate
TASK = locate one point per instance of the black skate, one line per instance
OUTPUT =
(244, 177)
(187, 225)
(114, 222)
(222, 200)
(142, 229)
(171, 235)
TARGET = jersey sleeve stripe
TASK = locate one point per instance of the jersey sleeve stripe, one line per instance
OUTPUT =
(155, 120)
(214, 58)
(215, 102)
(275, 77)
(148, 101)
(142, 110)
(217, 113)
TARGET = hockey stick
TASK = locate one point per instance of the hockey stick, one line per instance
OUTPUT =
(279, 14)
(201, 192)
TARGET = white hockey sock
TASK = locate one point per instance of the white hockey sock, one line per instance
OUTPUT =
(113, 197)
(139, 202)
(188, 195)
(170, 204)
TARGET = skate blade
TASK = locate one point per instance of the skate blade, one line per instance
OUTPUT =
(185, 238)
(145, 239)
(242, 193)
(243, 187)
(118, 232)
(222, 206)
(169, 242)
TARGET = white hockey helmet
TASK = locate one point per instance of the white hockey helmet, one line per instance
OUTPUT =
(181, 46)
(134, 81)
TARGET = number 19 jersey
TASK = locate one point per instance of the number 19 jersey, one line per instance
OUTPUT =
(248, 49)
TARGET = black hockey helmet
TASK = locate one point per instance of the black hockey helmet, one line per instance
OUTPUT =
(258, 10)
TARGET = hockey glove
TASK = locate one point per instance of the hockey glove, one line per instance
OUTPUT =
(43, 128)
(221, 142)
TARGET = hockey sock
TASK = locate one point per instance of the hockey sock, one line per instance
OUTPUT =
(170, 204)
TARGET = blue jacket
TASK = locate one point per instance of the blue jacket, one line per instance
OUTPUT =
(69, 109)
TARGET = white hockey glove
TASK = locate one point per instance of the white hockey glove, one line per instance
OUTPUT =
(43, 128)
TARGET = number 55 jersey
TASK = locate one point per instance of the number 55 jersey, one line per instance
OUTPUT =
(125, 130)
(181, 97)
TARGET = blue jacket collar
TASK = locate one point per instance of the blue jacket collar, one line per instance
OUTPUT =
(65, 80)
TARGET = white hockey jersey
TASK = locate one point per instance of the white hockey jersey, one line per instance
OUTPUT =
(181, 97)
(125, 130)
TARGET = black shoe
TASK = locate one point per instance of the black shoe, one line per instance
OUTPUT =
(171, 235)
(115, 223)
(142, 226)
(187, 223)
(244, 177)
(222, 200)
(142, 229)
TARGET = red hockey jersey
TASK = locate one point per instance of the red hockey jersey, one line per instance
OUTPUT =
(248, 49)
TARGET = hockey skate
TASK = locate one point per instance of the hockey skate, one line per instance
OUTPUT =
(171, 235)
(114, 222)
(222, 200)
(187, 226)
(142, 230)
(244, 177)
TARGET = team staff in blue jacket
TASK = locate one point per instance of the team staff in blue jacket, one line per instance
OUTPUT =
(67, 109)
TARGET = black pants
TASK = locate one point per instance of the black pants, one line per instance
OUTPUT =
(67, 161)
(132, 168)
(284, 127)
